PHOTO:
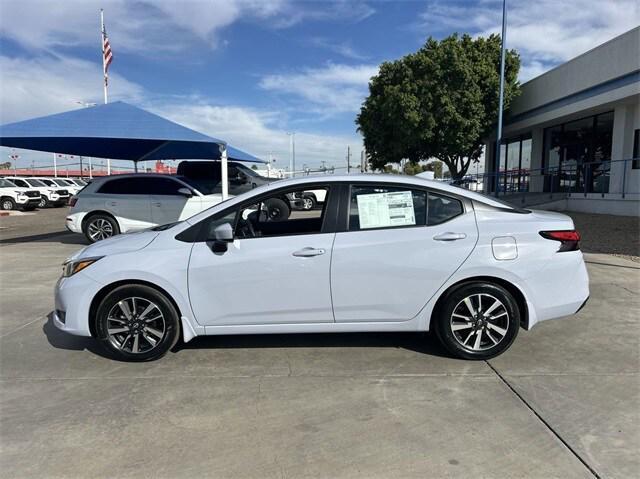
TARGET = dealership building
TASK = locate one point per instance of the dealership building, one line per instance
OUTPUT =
(571, 139)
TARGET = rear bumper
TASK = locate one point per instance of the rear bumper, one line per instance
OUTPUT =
(560, 289)
(73, 222)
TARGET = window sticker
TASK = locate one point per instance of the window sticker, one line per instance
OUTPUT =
(380, 210)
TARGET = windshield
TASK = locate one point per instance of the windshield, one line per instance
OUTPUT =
(36, 183)
(79, 182)
(61, 182)
(249, 171)
(48, 182)
(6, 184)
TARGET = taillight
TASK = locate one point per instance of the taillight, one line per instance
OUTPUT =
(569, 239)
(72, 201)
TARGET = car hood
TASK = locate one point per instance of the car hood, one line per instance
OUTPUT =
(124, 243)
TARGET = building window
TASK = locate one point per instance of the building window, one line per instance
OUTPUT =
(577, 155)
(635, 164)
(515, 165)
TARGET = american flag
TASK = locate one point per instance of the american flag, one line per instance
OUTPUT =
(107, 54)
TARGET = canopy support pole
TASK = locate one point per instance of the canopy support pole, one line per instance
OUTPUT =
(224, 177)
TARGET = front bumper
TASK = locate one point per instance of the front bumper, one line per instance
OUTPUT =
(73, 298)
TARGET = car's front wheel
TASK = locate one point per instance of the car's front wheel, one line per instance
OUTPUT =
(8, 204)
(478, 321)
(137, 323)
(44, 202)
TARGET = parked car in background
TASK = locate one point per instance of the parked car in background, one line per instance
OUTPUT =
(208, 174)
(61, 190)
(48, 194)
(384, 253)
(77, 182)
(68, 185)
(123, 203)
(15, 197)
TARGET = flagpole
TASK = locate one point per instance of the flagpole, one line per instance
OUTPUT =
(104, 73)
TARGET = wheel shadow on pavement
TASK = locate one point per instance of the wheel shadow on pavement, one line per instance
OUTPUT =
(63, 237)
(422, 343)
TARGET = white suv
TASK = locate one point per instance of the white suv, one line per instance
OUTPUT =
(119, 204)
(48, 194)
(13, 197)
(63, 189)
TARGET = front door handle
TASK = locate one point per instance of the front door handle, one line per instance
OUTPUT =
(309, 252)
(157, 204)
(449, 236)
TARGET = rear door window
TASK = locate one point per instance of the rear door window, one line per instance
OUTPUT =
(381, 206)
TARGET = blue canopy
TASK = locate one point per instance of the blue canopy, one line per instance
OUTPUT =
(118, 131)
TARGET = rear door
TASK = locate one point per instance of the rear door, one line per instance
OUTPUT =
(128, 200)
(401, 245)
(168, 204)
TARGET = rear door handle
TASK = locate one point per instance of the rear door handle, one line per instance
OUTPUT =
(309, 252)
(449, 236)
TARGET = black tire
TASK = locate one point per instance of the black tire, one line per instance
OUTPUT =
(309, 202)
(44, 202)
(97, 221)
(462, 343)
(7, 203)
(122, 345)
(29, 208)
(277, 209)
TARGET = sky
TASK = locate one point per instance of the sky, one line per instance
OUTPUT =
(252, 71)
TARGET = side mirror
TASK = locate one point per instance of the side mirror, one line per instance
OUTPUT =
(223, 233)
(185, 192)
(222, 236)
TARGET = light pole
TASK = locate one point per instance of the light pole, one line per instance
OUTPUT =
(501, 97)
(292, 159)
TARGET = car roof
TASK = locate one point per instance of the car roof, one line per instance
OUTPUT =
(386, 178)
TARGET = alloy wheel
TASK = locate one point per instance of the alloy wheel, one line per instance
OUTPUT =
(307, 203)
(100, 229)
(479, 322)
(135, 325)
(7, 205)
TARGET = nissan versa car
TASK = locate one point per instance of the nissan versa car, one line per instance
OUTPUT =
(384, 253)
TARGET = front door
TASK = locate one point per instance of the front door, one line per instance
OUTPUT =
(274, 272)
(400, 248)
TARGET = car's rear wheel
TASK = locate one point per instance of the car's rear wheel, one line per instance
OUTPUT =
(478, 321)
(99, 226)
(8, 204)
(137, 323)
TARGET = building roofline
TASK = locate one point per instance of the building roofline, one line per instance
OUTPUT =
(571, 60)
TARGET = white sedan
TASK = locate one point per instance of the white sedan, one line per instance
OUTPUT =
(384, 253)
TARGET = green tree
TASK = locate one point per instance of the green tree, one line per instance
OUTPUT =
(440, 102)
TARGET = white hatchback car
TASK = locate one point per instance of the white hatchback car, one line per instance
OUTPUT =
(124, 203)
(384, 253)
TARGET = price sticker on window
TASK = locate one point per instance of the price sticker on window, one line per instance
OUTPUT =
(380, 210)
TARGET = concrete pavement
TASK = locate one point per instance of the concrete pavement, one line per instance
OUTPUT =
(562, 402)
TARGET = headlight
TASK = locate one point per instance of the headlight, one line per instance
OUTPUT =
(72, 267)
